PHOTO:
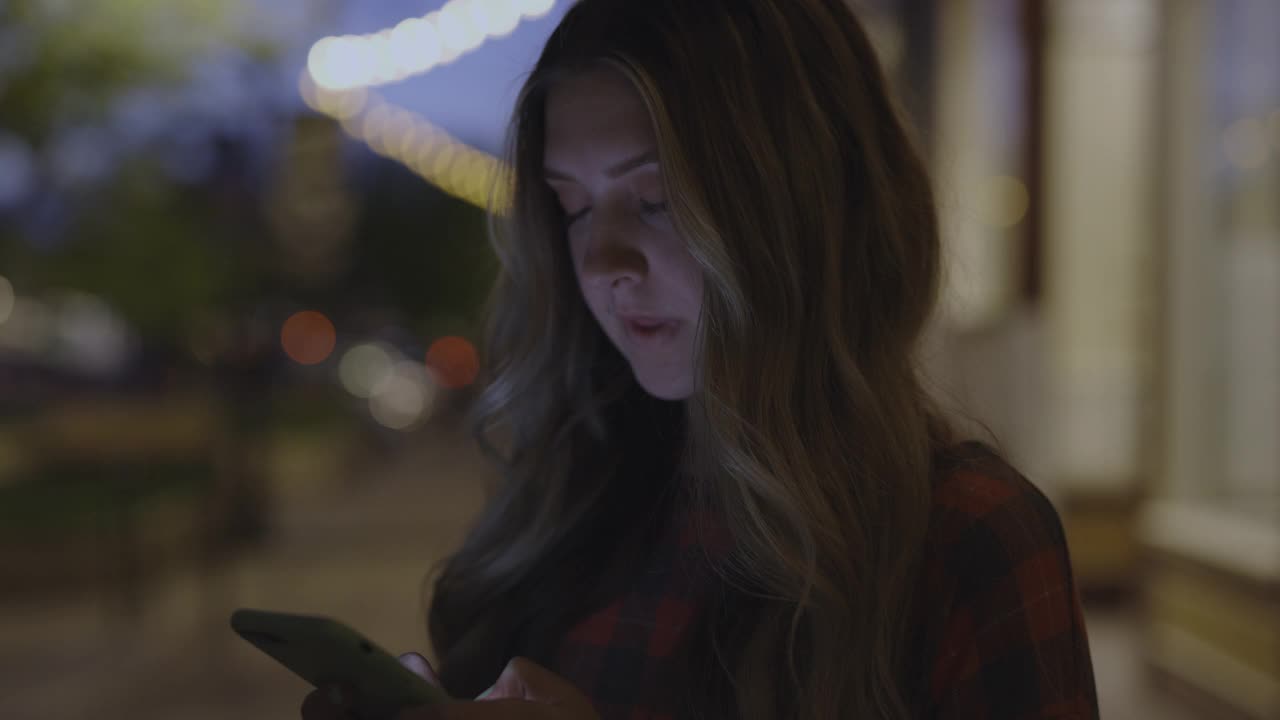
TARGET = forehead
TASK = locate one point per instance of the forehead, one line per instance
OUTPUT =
(597, 111)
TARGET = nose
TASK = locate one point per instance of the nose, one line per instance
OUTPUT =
(613, 256)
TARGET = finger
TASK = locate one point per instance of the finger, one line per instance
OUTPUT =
(537, 681)
(419, 665)
(523, 679)
(508, 686)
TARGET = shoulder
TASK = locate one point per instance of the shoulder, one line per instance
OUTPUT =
(995, 544)
(985, 512)
(997, 602)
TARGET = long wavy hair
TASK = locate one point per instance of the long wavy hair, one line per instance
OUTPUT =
(791, 177)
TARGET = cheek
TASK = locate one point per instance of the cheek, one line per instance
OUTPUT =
(577, 254)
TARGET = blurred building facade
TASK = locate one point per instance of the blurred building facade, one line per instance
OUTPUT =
(1108, 175)
(1109, 178)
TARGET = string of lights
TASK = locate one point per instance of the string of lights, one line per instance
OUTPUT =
(418, 44)
(342, 73)
(430, 152)
(340, 81)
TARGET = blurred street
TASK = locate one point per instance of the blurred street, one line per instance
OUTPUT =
(357, 552)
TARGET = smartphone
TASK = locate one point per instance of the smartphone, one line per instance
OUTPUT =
(321, 650)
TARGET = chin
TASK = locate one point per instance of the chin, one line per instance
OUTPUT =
(666, 388)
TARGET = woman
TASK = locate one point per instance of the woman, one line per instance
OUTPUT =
(725, 492)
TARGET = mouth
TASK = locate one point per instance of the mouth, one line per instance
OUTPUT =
(645, 328)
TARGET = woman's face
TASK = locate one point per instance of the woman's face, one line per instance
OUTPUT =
(635, 272)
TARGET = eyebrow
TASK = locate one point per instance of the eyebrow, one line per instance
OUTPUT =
(647, 157)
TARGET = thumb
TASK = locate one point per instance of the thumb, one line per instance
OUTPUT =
(523, 679)
(420, 667)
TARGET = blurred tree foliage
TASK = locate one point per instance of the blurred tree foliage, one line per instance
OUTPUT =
(65, 60)
(423, 252)
(191, 259)
(153, 250)
(137, 239)
(162, 252)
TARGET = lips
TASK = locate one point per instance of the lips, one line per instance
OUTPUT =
(648, 327)
(644, 320)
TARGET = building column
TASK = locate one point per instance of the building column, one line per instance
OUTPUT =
(984, 350)
(1101, 61)
(1211, 527)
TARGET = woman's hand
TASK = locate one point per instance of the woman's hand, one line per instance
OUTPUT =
(524, 691)
(333, 702)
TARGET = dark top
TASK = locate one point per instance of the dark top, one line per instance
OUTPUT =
(998, 626)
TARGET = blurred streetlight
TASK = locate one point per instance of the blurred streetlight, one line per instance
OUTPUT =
(416, 45)
(404, 398)
(308, 337)
(365, 367)
(1004, 201)
(453, 362)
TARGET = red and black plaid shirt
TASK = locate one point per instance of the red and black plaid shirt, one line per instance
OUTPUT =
(999, 628)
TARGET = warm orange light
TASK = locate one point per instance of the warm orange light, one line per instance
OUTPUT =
(453, 361)
(308, 337)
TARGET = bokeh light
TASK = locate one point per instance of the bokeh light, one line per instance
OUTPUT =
(6, 299)
(365, 367)
(89, 336)
(340, 71)
(416, 45)
(337, 63)
(457, 30)
(481, 15)
(338, 104)
(503, 17)
(1004, 201)
(404, 397)
(534, 9)
(309, 91)
(308, 337)
(456, 168)
(453, 361)
(399, 133)
(376, 122)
